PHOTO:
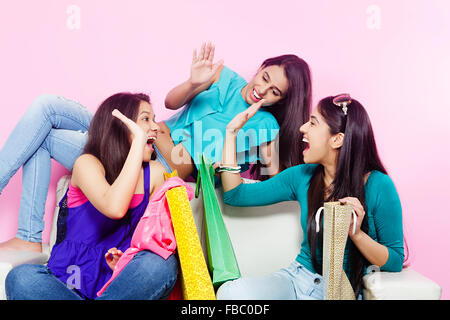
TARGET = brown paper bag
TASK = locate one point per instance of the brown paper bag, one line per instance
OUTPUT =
(336, 222)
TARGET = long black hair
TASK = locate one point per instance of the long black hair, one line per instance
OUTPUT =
(357, 157)
(290, 112)
(109, 138)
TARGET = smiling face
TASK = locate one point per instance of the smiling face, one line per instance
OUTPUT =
(146, 120)
(321, 146)
(270, 84)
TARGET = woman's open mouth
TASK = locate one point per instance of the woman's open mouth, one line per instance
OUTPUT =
(150, 141)
(305, 145)
(255, 96)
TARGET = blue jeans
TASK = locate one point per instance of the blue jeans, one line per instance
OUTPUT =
(292, 283)
(146, 277)
(52, 127)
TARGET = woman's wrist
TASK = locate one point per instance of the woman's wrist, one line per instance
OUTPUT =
(192, 84)
(139, 139)
(229, 151)
(359, 234)
(231, 133)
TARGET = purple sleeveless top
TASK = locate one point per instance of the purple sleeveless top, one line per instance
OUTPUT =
(84, 236)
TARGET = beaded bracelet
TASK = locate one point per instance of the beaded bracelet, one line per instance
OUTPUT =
(229, 169)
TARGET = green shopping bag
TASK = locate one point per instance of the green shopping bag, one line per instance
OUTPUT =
(221, 259)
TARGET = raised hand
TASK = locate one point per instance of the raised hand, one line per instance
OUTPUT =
(136, 131)
(203, 68)
(241, 119)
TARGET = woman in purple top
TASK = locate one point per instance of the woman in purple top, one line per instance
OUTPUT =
(109, 190)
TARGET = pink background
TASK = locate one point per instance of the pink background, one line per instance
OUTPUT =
(399, 71)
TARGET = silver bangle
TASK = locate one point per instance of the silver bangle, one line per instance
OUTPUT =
(229, 169)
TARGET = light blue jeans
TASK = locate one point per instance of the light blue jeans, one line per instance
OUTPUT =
(146, 277)
(52, 127)
(292, 283)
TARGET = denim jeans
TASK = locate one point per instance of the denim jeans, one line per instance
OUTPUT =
(52, 127)
(292, 283)
(146, 277)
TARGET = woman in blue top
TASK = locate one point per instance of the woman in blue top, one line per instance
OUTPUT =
(55, 128)
(108, 193)
(341, 164)
(214, 94)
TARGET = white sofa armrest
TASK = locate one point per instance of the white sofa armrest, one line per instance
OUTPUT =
(61, 188)
(10, 259)
(405, 285)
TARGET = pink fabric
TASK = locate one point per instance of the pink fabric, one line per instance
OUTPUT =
(154, 231)
(76, 197)
(136, 200)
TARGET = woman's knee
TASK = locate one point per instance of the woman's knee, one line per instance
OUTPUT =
(157, 267)
(158, 274)
(233, 290)
(17, 277)
(172, 265)
(169, 276)
(18, 280)
(50, 104)
(274, 286)
(42, 104)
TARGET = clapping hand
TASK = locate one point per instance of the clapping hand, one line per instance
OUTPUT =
(241, 119)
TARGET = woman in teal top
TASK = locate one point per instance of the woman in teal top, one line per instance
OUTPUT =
(210, 111)
(341, 164)
(214, 95)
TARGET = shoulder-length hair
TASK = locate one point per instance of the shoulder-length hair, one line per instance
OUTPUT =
(357, 156)
(290, 112)
(108, 138)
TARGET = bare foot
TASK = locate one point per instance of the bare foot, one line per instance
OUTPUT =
(21, 245)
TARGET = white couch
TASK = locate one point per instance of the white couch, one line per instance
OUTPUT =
(265, 239)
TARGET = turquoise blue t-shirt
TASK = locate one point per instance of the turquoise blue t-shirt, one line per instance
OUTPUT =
(384, 212)
(200, 126)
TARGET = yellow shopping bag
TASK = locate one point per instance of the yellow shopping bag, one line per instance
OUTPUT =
(196, 282)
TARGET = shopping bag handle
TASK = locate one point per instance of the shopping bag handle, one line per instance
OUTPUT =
(320, 210)
(202, 160)
(197, 187)
(355, 218)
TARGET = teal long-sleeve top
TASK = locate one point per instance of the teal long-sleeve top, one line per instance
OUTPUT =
(383, 210)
